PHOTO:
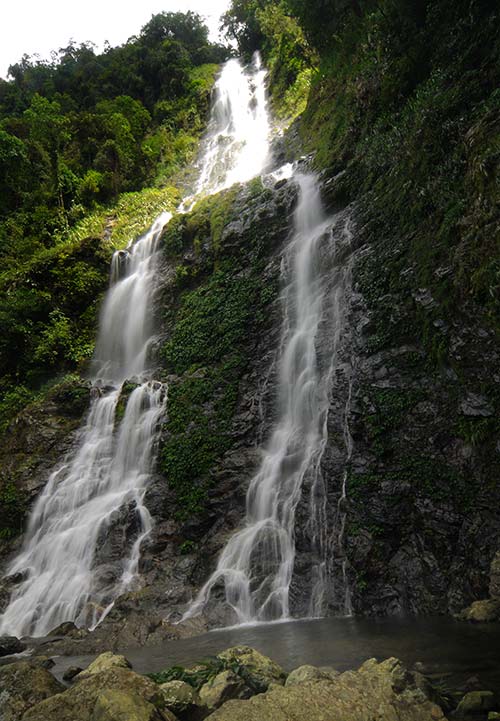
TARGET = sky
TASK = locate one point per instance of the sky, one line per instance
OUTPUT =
(39, 26)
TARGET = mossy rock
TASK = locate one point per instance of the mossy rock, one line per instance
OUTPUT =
(23, 685)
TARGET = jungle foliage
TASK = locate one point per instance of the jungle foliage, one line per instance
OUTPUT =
(80, 136)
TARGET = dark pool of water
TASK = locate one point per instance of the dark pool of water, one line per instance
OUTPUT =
(455, 651)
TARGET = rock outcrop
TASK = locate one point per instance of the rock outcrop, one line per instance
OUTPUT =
(384, 690)
(23, 685)
(377, 690)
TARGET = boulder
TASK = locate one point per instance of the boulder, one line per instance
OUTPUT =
(79, 701)
(474, 703)
(183, 700)
(71, 672)
(495, 577)
(307, 673)
(104, 662)
(113, 705)
(10, 645)
(23, 685)
(376, 691)
(225, 686)
(257, 670)
(487, 611)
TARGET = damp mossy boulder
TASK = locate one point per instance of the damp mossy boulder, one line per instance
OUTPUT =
(22, 685)
(257, 670)
(183, 700)
(114, 705)
(104, 662)
(225, 686)
(376, 691)
(82, 699)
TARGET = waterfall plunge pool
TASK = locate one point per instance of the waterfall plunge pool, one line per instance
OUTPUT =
(447, 649)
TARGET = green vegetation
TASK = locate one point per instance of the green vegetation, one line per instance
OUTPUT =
(221, 309)
(268, 25)
(425, 478)
(206, 670)
(80, 138)
(12, 511)
(407, 100)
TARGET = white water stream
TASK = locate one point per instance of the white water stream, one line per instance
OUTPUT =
(256, 565)
(106, 475)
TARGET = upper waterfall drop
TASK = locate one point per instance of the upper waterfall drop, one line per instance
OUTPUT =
(104, 478)
(236, 147)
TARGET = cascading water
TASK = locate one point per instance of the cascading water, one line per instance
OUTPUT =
(256, 565)
(107, 474)
(237, 145)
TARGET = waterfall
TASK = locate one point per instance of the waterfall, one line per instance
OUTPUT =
(256, 565)
(100, 486)
(106, 474)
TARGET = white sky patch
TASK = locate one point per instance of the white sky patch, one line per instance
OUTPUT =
(40, 26)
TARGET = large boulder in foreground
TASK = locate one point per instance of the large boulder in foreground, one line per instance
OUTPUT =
(23, 685)
(258, 671)
(104, 662)
(183, 700)
(224, 687)
(113, 705)
(376, 691)
(83, 700)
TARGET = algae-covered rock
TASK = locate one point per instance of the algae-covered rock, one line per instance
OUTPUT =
(23, 685)
(104, 662)
(225, 686)
(383, 691)
(183, 700)
(113, 705)
(80, 700)
(474, 703)
(307, 673)
(257, 670)
(486, 611)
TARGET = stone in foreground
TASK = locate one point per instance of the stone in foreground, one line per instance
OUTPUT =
(115, 705)
(183, 700)
(80, 701)
(376, 691)
(308, 673)
(224, 687)
(23, 685)
(476, 703)
(257, 670)
(104, 662)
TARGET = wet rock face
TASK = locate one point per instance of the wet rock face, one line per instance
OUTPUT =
(421, 514)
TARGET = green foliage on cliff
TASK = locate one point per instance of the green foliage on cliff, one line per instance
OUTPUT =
(407, 101)
(75, 133)
(220, 310)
